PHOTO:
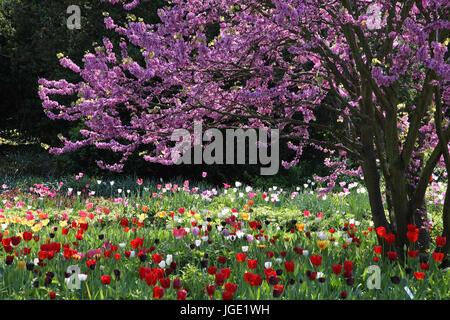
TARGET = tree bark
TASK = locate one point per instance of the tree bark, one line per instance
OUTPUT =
(372, 179)
(446, 222)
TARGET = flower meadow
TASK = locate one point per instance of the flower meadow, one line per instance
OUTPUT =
(182, 242)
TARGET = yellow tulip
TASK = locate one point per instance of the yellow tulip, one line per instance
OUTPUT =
(21, 265)
(162, 214)
(62, 224)
(30, 223)
(245, 216)
(300, 226)
(37, 227)
(322, 244)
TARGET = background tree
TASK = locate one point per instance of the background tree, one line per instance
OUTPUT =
(32, 33)
(381, 73)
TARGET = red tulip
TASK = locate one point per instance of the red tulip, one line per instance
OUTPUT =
(124, 222)
(212, 270)
(438, 256)
(412, 234)
(15, 241)
(181, 294)
(42, 255)
(158, 292)
(289, 266)
(151, 278)
(231, 287)
(157, 258)
(117, 256)
(106, 280)
(424, 266)
(278, 290)
(440, 241)
(227, 295)
(220, 279)
(381, 231)
(313, 275)
(390, 238)
(348, 266)
(336, 268)
(419, 275)
(378, 249)
(107, 254)
(226, 272)
(6, 242)
(9, 260)
(271, 273)
(240, 257)
(27, 235)
(210, 290)
(392, 255)
(52, 295)
(222, 259)
(176, 283)
(252, 263)
(165, 283)
(255, 280)
(413, 253)
(316, 260)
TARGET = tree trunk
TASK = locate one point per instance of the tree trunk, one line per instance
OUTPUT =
(372, 179)
(420, 219)
(446, 222)
(400, 204)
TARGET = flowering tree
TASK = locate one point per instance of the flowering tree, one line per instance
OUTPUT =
(380, 67)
